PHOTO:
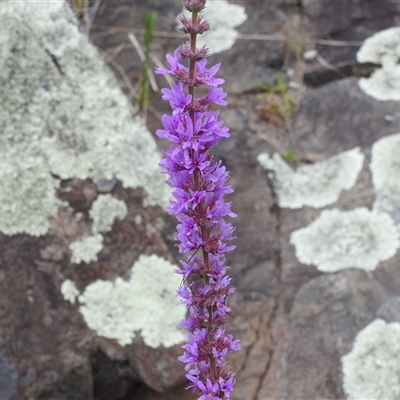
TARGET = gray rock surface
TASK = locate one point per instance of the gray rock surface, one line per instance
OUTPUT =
(362, 121)
(351, 17)
(8, 379)
(353, 21)
(327, 314)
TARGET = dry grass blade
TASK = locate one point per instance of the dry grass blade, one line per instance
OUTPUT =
(244, 36)
(90, 14)
(140, 52)
(115, 52)
(327, 65)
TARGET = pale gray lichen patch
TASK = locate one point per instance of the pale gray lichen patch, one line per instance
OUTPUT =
(385, 168)
(382, 48)
(27, 191)
(372, 369)
(344, 239)
(62, 106)
(108, 307)
(146, 303)
(383, 85)
(223, 35)
(316, 185)
(69, 291)
(86, 249)
(105, 209)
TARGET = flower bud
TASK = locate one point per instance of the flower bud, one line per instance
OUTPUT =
(194, 5)
(185, 51)
(193, 27)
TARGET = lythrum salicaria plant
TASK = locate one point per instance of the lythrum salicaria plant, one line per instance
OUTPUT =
(199, 186)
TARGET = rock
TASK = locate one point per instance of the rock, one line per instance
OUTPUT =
(158, 368)
(61, 336)
(353, 23)
(389, 310)
(327, 313)
(370, 369)
(77, 123)
(253, 313)
(114, 378)
(348, 16)
(255, 223)
(65, 127)
(8, 379)
(362, 119)
(239, 74)
(60, 351)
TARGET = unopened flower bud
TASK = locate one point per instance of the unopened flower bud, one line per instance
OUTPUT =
(194, 5)
(185, 51)
(190, 27)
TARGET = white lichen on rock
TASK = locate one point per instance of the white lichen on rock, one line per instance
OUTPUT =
(316, 185)
(147, 302)
(63, 108)
(69, 291)
(86, 249)
(27, 191)
(372, 369)
(105, 209)
(222, 35)
(344, 239)
(385, 168)
(382, 48)
(383, 85)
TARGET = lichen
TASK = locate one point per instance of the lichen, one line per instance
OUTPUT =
(146, 303)
(86, 249)
(69, 291)
(383, 85)
(316, 185)
(385, 168)
(105, 209)
(223, 35)
(343, 239)
(27, 192)
(382, 48)
(62, 107)
(372, 369)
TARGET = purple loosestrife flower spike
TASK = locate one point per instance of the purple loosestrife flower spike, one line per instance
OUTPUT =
(199, 186)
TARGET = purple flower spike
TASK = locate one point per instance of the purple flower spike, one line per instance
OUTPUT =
(199, 186)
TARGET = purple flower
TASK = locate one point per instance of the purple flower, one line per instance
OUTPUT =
(227, 386)
(174, 64)
(209, 389)
(216, 95)
(176, 96)
(204, 76)
(198, 161)
(199, 186)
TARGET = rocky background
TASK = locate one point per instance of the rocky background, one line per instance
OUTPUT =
(293, 82)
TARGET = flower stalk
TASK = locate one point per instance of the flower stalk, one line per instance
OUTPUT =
(199, 186)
